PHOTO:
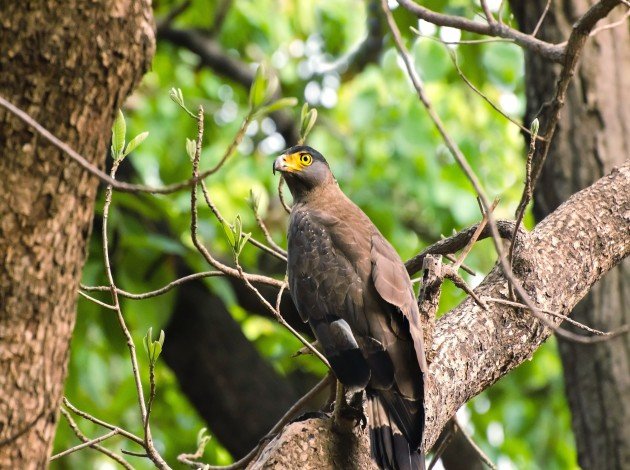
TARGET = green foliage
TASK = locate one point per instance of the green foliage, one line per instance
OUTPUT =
(386, 155)
(235, 236)
(308, 117)
(119, 129)
(153, 348)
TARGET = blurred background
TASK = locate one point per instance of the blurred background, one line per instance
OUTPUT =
(227, 365)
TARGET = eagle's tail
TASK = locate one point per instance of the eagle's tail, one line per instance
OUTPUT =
(390, 448)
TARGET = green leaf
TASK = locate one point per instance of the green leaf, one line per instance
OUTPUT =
(276, 105)
(119, 130)
(157, 346)
(259, 86)
(273, 83)
(229, 233)
(178, 97)
(244, 239)
(303, 112)
(191, 148)
(135, 142)
(307, 124)
(254, 201)
(147, 341)
(535, 127)
(153, 348)
(201, 436)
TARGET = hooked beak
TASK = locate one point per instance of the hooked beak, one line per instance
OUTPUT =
(287, 163)
(279, 164)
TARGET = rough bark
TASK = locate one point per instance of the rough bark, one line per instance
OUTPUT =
(593, 136)
(558, 262)
(69, 66)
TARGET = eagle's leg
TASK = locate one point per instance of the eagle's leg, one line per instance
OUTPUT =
(348, 415)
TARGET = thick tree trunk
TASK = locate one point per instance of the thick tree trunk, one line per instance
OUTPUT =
(593, 137)
(70, 65)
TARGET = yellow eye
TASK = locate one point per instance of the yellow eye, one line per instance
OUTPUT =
(306, 159)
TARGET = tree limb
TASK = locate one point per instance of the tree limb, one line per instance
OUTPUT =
(557, 263)
(554, 52)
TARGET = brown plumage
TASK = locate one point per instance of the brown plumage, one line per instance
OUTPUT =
(351, 286)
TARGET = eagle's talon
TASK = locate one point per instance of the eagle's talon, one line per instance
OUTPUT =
(355, 414)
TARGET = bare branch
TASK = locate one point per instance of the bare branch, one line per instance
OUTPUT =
(607, 335)
(541, 19)
(614, 24)
(238, 272)
(75, 428)
(575, 44)
(148, 439)
(96, 301)
(588, 19)
(552, 52)
(458, 241)
(280, 254)
(89, 417)
(474, 348)
(475, 236)
(486, 11)
(526, 196)
(287, 208)
(89, 443)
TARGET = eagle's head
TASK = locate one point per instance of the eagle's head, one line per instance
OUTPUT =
(304, 170)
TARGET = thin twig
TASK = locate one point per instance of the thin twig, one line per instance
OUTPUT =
(148, 439)
(268, 237)
(452, 259)
(453, 56)
(461, 42)
(215, 210)
(541, 19)
(89, 443)
(574, 46)
(609, 335)
(96, 301)
(475, 236)
(239, 273)
(552, 52)
(524, 202)
(286, 418)
(486, 11)
(480, 453)
(287, 208)
(104, 177)
(278, 316)
(161, 290)
(456, 279)
(132, 437)
(619, 22)
(152, 392)
(75, 428)
(194, 216)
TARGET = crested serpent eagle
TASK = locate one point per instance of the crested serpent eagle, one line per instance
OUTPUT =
(351, 286)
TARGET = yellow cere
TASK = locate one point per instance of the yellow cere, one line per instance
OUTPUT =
(298, 161)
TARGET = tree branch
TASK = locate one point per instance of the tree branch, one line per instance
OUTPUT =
(554, 52)
(557, 263)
